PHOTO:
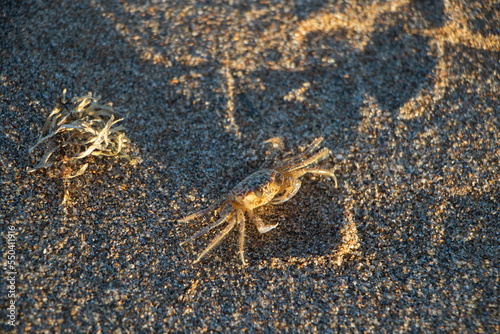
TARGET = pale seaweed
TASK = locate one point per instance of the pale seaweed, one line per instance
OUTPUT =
(76, 129)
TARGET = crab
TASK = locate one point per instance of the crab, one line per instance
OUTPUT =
(274, 185)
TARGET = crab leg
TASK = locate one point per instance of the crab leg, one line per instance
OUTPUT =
(217, 239)
(221, 220)
(303, 163)
(200, 213)
(298, 158)
(314, 170)
(241, 221)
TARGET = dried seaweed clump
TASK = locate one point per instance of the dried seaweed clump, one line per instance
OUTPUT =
(76, 129)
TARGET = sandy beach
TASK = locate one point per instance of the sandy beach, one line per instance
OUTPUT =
(404, 93)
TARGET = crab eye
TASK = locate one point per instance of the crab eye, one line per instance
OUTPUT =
(258, 193)
(277, 179)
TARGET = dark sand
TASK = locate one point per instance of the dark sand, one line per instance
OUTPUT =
(405, 93)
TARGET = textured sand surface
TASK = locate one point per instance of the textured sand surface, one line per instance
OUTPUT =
(405, 94)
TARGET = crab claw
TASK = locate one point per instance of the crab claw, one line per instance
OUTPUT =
(261, 226)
